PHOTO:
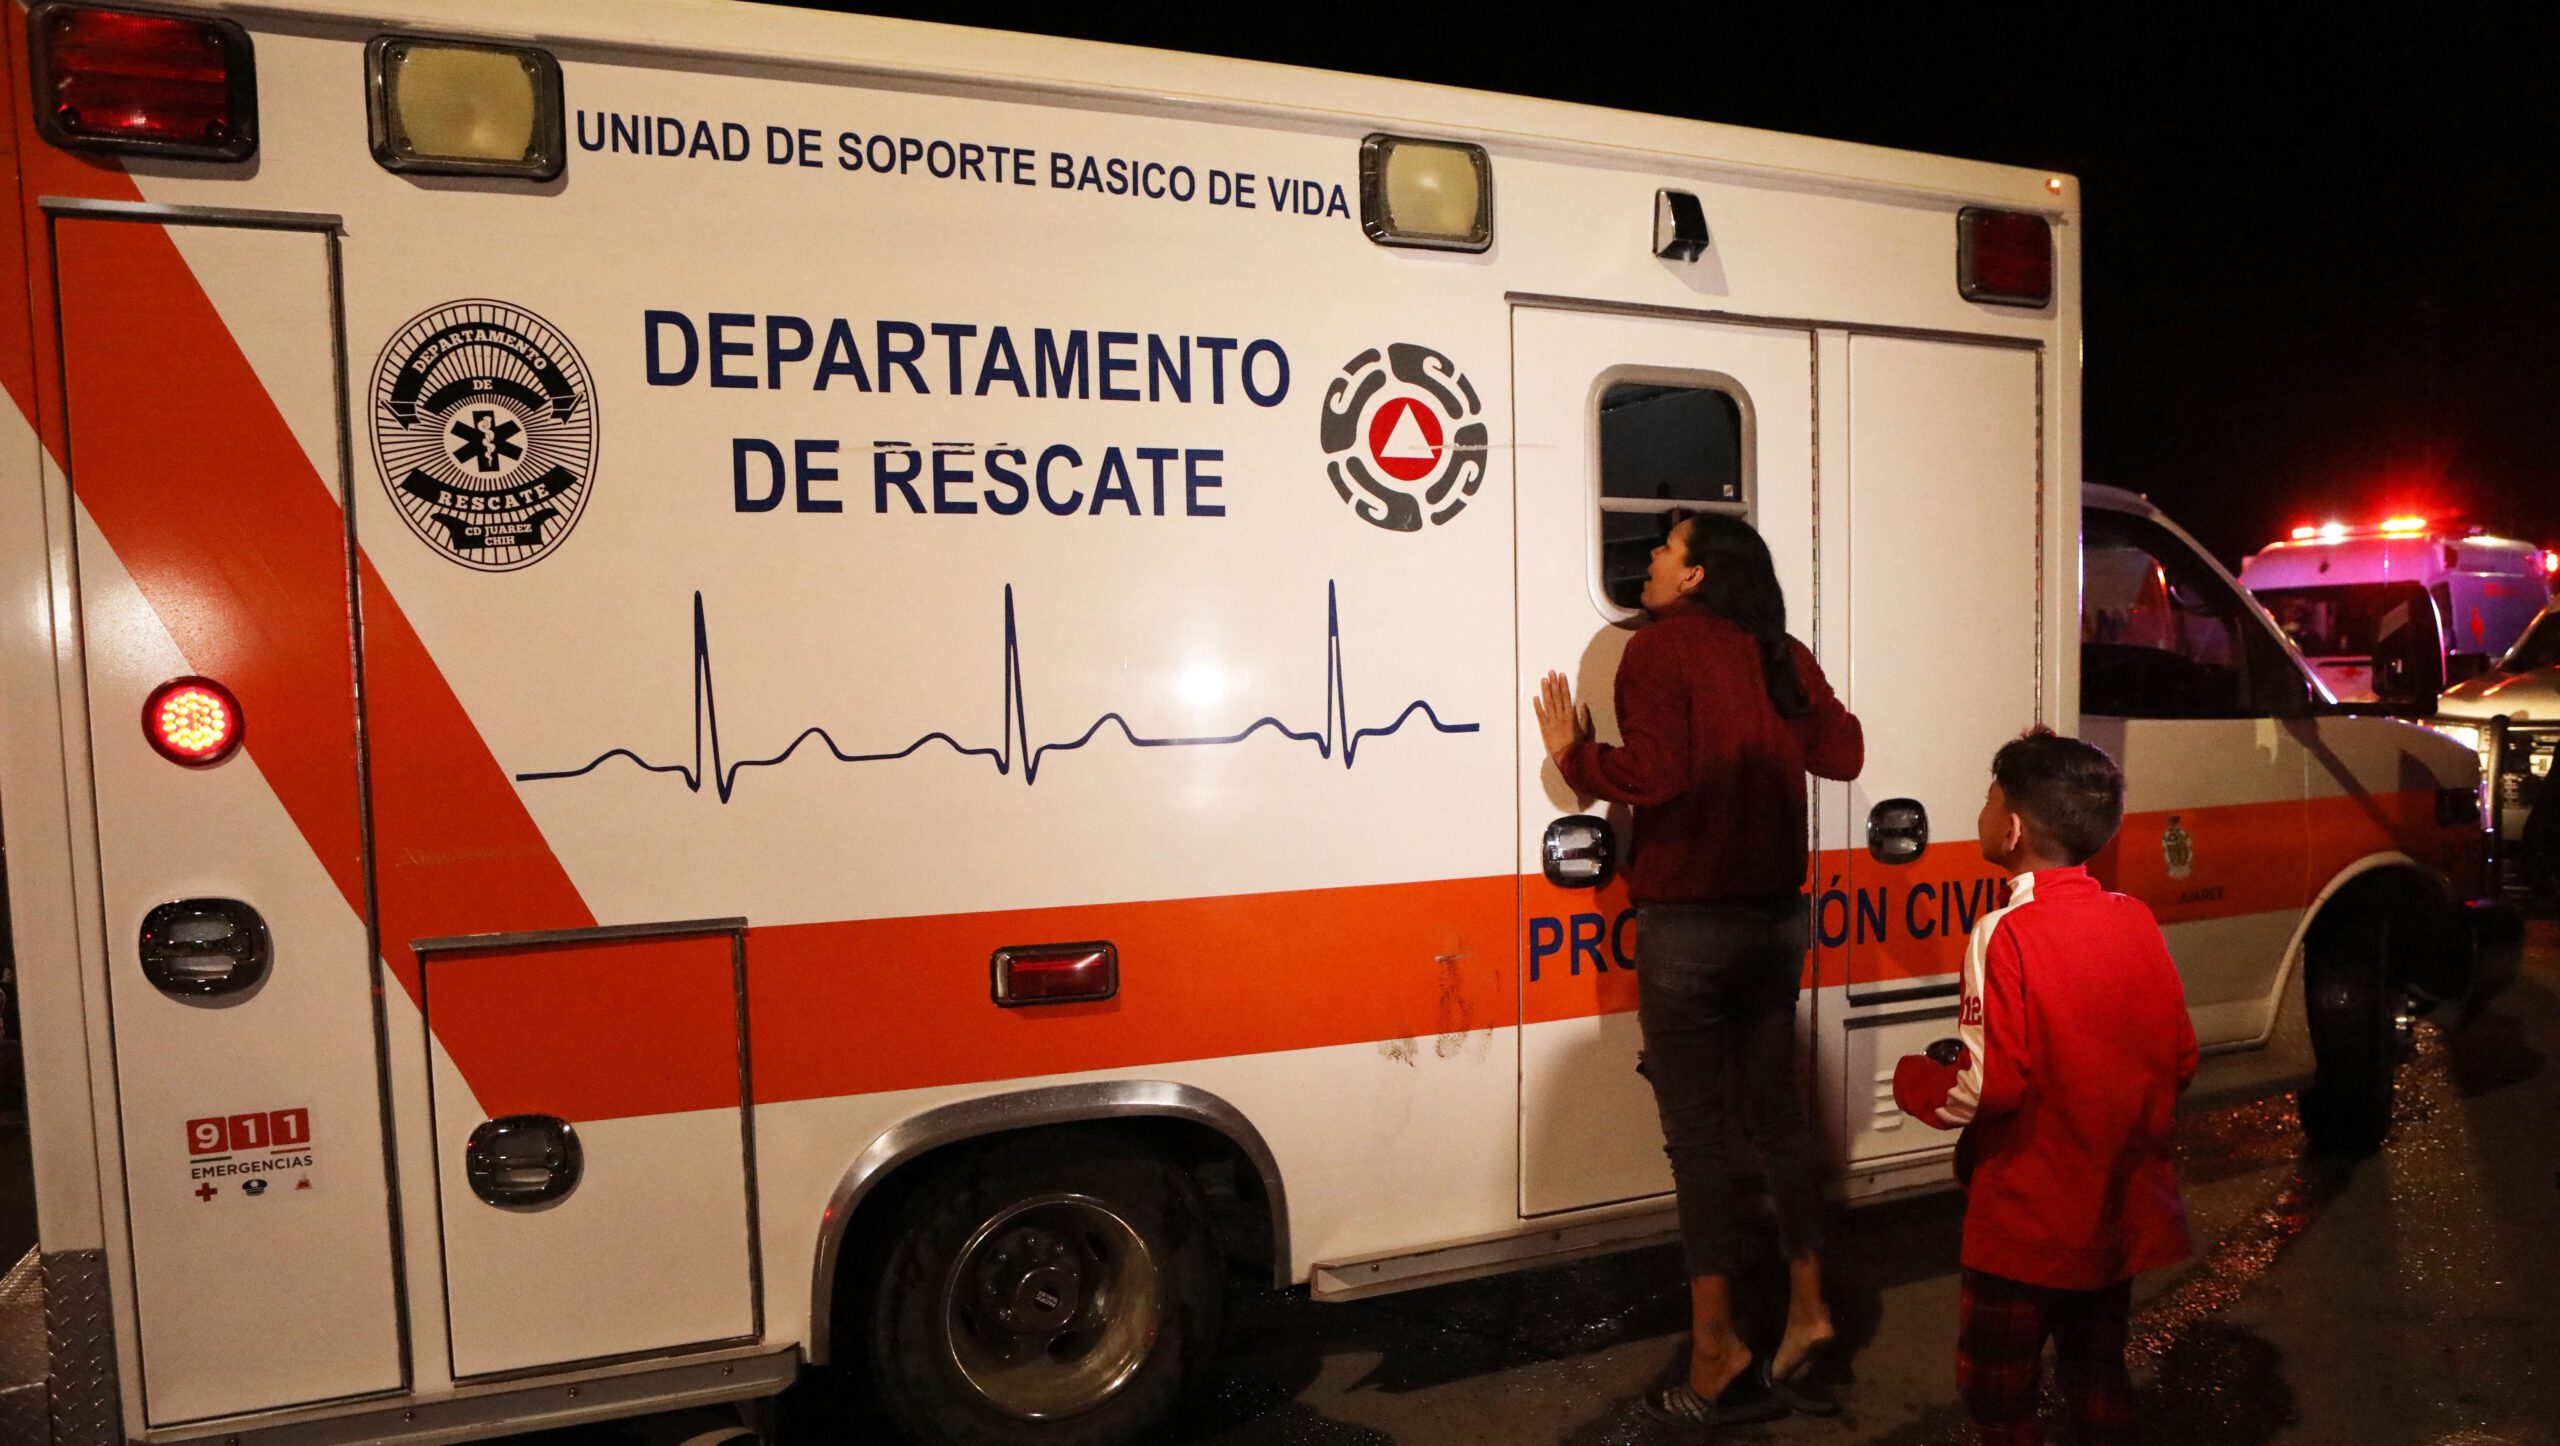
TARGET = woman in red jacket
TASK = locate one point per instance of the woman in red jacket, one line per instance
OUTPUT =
(1722, 716)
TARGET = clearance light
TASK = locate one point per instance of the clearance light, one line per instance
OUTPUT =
(1056, 974)
(2332, 531)
(1435, 194)
(168, 85)
(464, 110)
(2305, 534)
(2004, 257)
(2550, 561)
(2403, 526)
(194, 721)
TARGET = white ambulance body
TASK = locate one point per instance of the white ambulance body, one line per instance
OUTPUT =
(891, 711)
(2339, 592)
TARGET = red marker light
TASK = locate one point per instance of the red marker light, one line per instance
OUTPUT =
(164, 84)
(2402, 526)
(2305, 534)
(1056, 974)
(194, 721)
(2550, 561)
(2004, 257)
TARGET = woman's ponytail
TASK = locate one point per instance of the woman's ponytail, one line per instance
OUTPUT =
(1741, 586)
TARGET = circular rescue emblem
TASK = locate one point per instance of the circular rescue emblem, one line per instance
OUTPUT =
(484, 423)
(1403, 438)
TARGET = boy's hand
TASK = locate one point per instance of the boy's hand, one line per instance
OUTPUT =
(1560, 723)
(1921, 1083)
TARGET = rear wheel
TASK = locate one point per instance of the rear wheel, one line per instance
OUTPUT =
(2539, 849)
(2360, 1029)
(1050, 1292)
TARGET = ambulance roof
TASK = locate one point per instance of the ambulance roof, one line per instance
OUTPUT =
(1090, 73)
(2365, 558)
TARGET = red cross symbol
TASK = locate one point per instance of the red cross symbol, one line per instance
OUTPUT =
(206, 1191)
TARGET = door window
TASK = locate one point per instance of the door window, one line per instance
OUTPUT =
(2161, 636)
(1663, 447)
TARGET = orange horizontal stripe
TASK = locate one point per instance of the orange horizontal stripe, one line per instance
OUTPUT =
(861, 1006)
(883, 1004)
(595, 1031)
(2240, 859)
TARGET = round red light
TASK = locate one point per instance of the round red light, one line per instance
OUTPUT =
(194, 721)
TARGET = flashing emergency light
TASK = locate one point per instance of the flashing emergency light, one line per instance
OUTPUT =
(440, 108)
(1434, 194)
(118, 80)
(2550, 561)
(2388, 527)
(2004, 257)
(194, 721)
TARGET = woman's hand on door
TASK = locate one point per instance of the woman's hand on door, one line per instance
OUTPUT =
(1560, 723)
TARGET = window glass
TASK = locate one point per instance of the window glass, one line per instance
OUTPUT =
(1662, 448)
(2162, 637)
(2340, 622)
(2539, 648)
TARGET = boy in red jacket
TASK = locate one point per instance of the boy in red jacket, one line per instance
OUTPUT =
(2075, 1045)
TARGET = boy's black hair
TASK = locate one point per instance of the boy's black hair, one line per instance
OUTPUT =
(2070, 793)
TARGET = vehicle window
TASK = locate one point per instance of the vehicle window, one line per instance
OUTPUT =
(2538, 648)
(2344, 621)
(1662, 448)
(2161, 636)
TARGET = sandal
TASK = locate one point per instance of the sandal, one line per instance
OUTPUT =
(1746, 1398)
(1804, 1388)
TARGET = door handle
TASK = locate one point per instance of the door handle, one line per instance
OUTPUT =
(202, 947)
(1580, 852)
(1897, 830)
(521, 1160)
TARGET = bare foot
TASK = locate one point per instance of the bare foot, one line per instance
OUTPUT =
(1803, 1337)
(1714, 1365)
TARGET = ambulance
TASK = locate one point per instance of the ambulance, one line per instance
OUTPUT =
(692, 693)
(2401, 609)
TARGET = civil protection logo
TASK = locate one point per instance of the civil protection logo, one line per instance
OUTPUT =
(1404, 438)
(484, 424)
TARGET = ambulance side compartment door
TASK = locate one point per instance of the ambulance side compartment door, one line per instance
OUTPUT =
(1619, 419)
(201, 396)
(1945, 494)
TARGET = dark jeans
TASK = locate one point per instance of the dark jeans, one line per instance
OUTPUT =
(1717, 1002)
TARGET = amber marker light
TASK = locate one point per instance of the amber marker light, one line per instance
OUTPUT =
(193, 721)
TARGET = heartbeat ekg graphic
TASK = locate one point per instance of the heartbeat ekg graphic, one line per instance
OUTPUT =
(1337, 730)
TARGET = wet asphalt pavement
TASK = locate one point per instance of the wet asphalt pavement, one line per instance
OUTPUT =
(2412, 1297)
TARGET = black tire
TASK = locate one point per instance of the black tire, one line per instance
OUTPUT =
(1059, 1290)
(2351, 996)
(2539, 849)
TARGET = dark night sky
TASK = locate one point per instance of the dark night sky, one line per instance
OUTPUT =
(2318, 254)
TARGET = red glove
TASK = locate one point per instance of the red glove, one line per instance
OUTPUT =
(1920, 1086)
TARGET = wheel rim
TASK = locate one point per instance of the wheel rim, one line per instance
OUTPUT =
(1052, 1306)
